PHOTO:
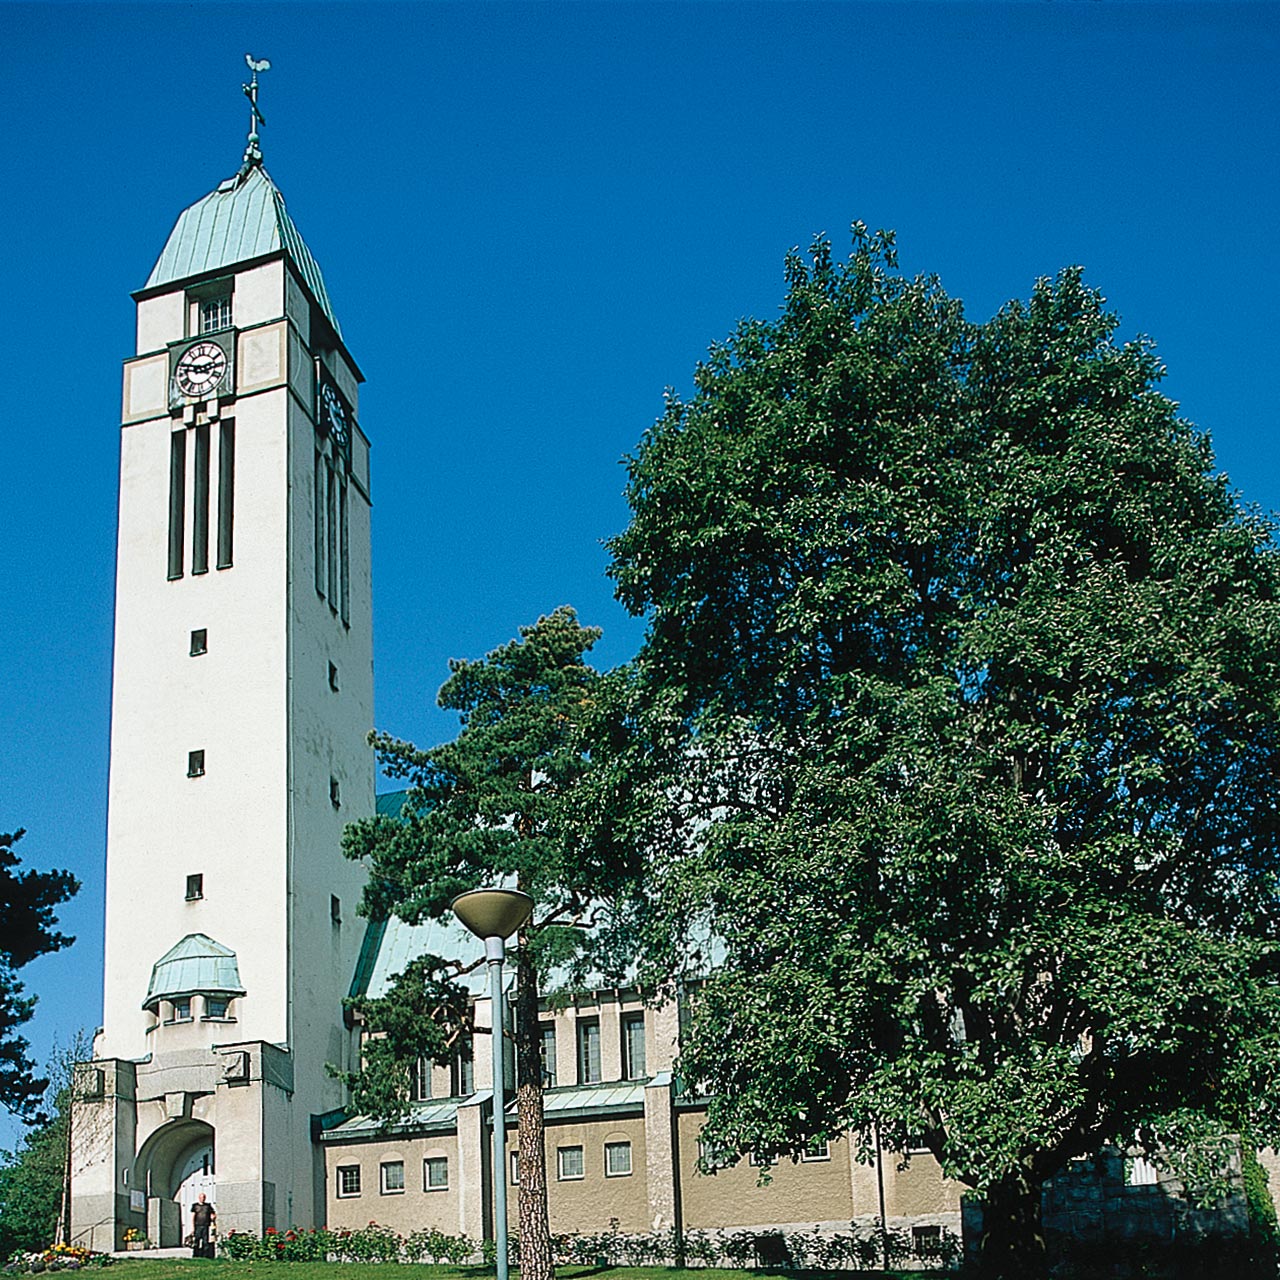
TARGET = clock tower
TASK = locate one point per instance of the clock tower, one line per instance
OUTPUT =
(242, 696)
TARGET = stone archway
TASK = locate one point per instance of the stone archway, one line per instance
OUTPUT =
(175, 1164)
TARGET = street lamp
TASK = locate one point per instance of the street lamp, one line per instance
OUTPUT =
(494, 915)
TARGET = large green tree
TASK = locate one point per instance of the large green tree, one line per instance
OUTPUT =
(492, 806)
(28, 919)
(961, 737)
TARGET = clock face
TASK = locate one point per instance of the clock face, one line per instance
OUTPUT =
(335, 414)
(201, 369)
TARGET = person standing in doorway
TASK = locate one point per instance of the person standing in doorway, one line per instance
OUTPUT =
(203, 1216)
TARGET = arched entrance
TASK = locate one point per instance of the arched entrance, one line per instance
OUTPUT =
(175, 1165)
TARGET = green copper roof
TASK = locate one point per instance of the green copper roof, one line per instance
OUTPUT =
(244, 218)
(196, 964)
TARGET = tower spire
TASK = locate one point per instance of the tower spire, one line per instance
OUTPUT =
(253, 152)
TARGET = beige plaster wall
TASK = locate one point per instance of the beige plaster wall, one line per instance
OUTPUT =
(806, 1193)
(411, 1210)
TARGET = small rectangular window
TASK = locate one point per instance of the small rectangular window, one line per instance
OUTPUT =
(348, 1180)
(435, 1173)
(216, 1006)
(333, 677)
(515, 1168)
(617, 1159)
(547, 1050)
(335, 792)
(199, 642)
(569, 1164)
(926, 1242)
(713, 1157)
(215, 314)
(195, 887)
(177, 500)
(633, 1046)
(816, 1151)
(588, 1050)
(392, 1177)
(195, 764)
(335, 908)
(226, 493)
(182, 1009)
(200, 515)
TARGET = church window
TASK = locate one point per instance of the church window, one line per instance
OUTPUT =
(420, 1081)
(333, 677)
(216, 1006)
(321, 538)
(589, 1051)
(200, 514)
(633, 1046)
(199, 642)
(547, 1051)
(215, 314)
(195, 764)
(392, 1177)
(177, 500)
(348, 1180)
(435, 1173)
(331, 540)
(335, 908)
(195, 887)
(463, 1073)
(617, 1159)
(335, 792)
(570, 1166)
(226, 492)
(344, 566)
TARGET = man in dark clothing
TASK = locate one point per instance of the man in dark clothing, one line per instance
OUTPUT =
(203, 1216)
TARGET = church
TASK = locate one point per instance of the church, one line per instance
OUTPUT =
(242, 696)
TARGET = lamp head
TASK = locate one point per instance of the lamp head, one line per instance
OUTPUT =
(493, 913)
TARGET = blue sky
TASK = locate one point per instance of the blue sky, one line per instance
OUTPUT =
(531, 219)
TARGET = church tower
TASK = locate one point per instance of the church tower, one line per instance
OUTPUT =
(242, 696)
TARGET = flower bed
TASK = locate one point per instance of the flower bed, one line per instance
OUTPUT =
(59, 1257)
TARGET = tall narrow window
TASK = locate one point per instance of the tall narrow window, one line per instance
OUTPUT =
(588, 1050)
(195, 764)
(199, 642)
(200, 515)
(344, 585)
(195, 887)
(331, 547)
(633, 1046)
(547, 1049)
(321, 570)
(463, 1073)
(420, 1080)
(226, 492)
(177, 499)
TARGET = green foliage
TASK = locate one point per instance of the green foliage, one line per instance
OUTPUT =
(1257, 1192)
(954, 733)
(27, 929)
(31, 1179)
(489, 806)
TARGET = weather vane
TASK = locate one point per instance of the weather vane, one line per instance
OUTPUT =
(253, 153)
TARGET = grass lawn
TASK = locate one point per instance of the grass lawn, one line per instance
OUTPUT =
(224, 1269)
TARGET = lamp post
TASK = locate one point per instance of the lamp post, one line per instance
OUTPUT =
(494, 915)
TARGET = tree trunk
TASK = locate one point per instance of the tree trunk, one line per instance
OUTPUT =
(535, 1233)
(1013, 1244)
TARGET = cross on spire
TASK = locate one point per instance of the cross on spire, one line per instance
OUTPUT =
(252, 152)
